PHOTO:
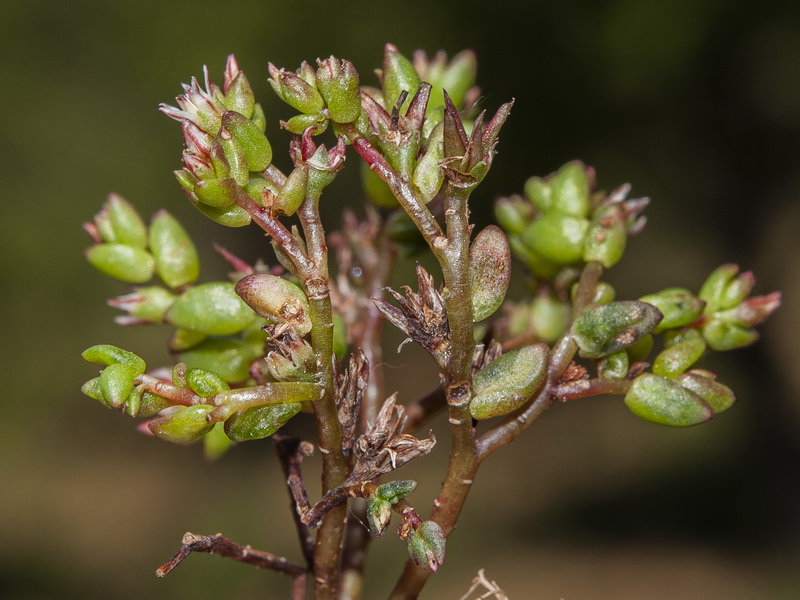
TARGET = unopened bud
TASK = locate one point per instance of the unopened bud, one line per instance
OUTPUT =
(714, 287)
(126, 224)
(607, 328)
(205, 383)
(614, 366)
(723, 335)
(256, 147)
(666, 402)
(395, 490)
(292, 194)
(379, 513)
(508, 382)
(398, 76)
(607, 236)
(570, 188)
(276, 299)
(295, 91)
(558, 237)
(513, 213)
(337, 81)
(144, 305)
(426, 546)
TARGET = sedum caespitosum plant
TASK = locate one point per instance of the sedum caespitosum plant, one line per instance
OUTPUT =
(298, 336)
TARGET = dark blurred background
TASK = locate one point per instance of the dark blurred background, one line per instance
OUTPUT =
(694, 102)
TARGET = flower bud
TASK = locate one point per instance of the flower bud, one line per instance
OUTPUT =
(513, 213)
(666, 402)
(459, 76)
(295, 91)
(260, 421)
(183, 424)
(398, 76)
(227, 357)
(723, 335)
(238, 95)
(229, 216)
(752, 311)
(126, 224)
(558, 237)
(217, 193)
(614, 366)
(292, 194)
(607, 328)
(256, 147)
(713, 289)
(569, 190)
(426, 546)
(393, 491)
(508, 382)
(489, 271)
(205, 383)
(106, 354)
(718, 396)
(538, 264)
(234, 155)
(638, 351)
(603, 293)
(607, 236)
(299, 123)
(678, 305)
(210, 308)
(126, 263)
(540, 194)
(549, 318)
(679, 357)
(338, 83)
(276, 299)
(379, 513)
(176, 258)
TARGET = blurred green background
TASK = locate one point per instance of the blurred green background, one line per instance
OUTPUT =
(694, 102)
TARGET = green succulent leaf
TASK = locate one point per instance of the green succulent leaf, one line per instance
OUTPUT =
(508, 382)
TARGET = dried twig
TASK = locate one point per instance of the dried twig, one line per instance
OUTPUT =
(291, 452)
(217, 544)
(492, 589)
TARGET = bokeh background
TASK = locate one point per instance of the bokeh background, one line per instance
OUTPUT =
(694, 102)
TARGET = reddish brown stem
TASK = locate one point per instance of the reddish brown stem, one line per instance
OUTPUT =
(225, 547)
(291, 452)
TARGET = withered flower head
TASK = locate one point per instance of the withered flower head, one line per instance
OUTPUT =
(421, 316)
(383, 448)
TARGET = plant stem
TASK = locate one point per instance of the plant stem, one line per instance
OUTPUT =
(377, 264)
(335, 467)
(454, 259)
